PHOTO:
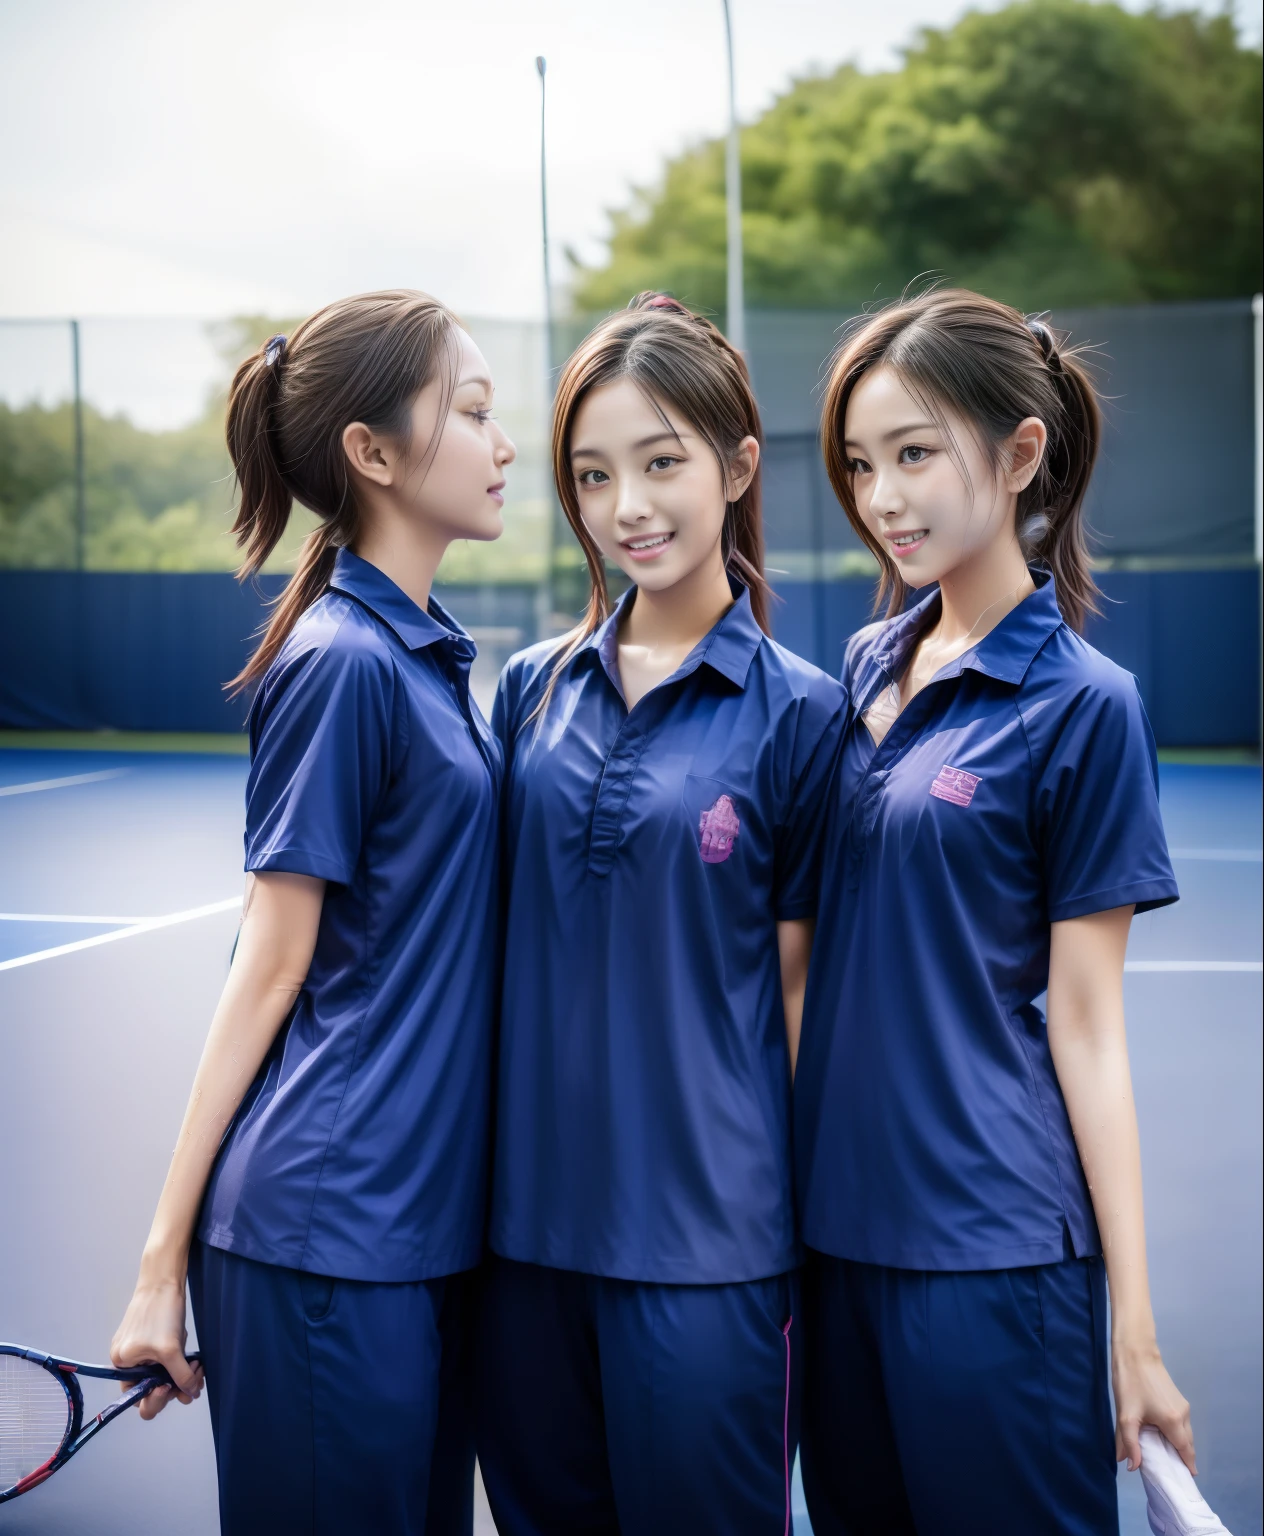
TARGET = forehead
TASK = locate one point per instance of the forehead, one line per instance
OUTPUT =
(469, 359)
(881, 400)
(621, 412)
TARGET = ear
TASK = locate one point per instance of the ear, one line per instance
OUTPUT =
(1026, 448)
(742, 467)
(367, 454)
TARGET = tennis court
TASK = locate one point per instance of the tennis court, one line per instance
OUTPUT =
(119, 881)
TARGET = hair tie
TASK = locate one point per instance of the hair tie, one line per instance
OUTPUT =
(274, 351)
(1045, 341)
(665, 301)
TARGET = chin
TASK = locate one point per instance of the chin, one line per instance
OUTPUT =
(484, 530)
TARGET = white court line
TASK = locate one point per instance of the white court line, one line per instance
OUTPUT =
(146, 925)
(74, 778)
(1255, 966)
(57, 917)
(1225, 855)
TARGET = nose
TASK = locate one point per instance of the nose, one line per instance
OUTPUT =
(506, 453)
(630, 505)
(886, 498)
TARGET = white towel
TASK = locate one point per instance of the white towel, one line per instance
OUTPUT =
(1174, 1505)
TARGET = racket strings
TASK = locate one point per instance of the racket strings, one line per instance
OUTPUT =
(34, 1417)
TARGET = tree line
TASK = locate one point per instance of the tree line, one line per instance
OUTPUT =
(1053, 153)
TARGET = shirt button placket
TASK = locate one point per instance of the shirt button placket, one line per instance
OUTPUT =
(612, 797)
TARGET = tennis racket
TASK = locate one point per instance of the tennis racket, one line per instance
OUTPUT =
(41, 1411)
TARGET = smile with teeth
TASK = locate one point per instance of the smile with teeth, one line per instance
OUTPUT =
(651, 541)
(901, 540)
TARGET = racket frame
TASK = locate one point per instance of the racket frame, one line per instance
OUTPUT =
(144, 1378)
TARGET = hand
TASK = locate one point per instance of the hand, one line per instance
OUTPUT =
(153, 1330)
(1146, 1394)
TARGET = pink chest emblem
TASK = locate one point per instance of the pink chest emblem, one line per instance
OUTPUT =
(955, 785)
(718, 829)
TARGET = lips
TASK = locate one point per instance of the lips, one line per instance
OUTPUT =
(647, 546)
(496, 492)
(906, 541)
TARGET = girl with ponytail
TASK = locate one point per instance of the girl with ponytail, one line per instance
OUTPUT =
(965, 1158)
(327, 1190)
(666, 768)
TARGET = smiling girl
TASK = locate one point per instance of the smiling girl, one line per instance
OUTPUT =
(328, 1186)
(964, 1159)
(666, 771)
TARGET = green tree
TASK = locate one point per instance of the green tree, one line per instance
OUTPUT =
(1056, 152)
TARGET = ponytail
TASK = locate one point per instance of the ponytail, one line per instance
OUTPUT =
(363, 359)
(988, 363)
(1050, 510)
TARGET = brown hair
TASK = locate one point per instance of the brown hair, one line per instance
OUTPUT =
(984, 361)
(681, 359)
(362, 359)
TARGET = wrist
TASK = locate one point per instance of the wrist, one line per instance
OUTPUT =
(1134, 1338)
(164, 1266)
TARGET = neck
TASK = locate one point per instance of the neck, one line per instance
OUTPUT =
(977, 594)
(407, 551)
(682, 614)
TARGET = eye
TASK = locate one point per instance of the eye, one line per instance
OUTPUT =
(911, 453)
(663, 461)
(591, 477)
(859, 467)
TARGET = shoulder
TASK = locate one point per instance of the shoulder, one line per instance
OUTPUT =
(1077, 704)
(334, 643)
(797, 679)
(1069, 673)
(527, 672)
(807, 707)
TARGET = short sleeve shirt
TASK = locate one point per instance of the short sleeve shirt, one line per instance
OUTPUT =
(361, 1149)
(643, 1126)
(1018, 789)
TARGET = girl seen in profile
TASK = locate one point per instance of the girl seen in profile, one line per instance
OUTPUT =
(327, 1192)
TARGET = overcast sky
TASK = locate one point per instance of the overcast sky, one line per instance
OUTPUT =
(173, 157)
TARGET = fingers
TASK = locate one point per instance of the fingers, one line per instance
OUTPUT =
(1180, 1435)
(188, 1378)
(1128, 1442)
(154, 1402)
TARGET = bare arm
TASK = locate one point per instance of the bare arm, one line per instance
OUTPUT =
(794, 945)
(1090, 1055)
(279, 923)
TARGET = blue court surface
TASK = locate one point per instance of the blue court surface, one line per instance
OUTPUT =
(120, 877)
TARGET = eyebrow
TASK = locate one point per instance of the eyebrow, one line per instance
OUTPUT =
(475, 378)
(644, 442)
(913, 426)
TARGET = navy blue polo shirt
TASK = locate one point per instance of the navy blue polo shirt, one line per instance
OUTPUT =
(361, 1149)
(1018, 789)
(644, 1087)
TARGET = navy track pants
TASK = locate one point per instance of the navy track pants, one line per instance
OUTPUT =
(957, 1403)
(339, 1407)
(616, 1408)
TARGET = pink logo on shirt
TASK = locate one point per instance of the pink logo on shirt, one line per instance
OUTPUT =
(718, 829)
(955, 785)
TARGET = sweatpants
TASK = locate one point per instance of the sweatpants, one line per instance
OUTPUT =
(631, 1409)
(955, 1403)
(339, 1407)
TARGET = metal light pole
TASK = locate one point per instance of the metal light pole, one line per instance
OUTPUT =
(544, 597)
(81, 517)
(733, 204)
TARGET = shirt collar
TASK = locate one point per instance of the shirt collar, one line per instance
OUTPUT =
(1004, 653)
(375, 590)
(728, 648)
